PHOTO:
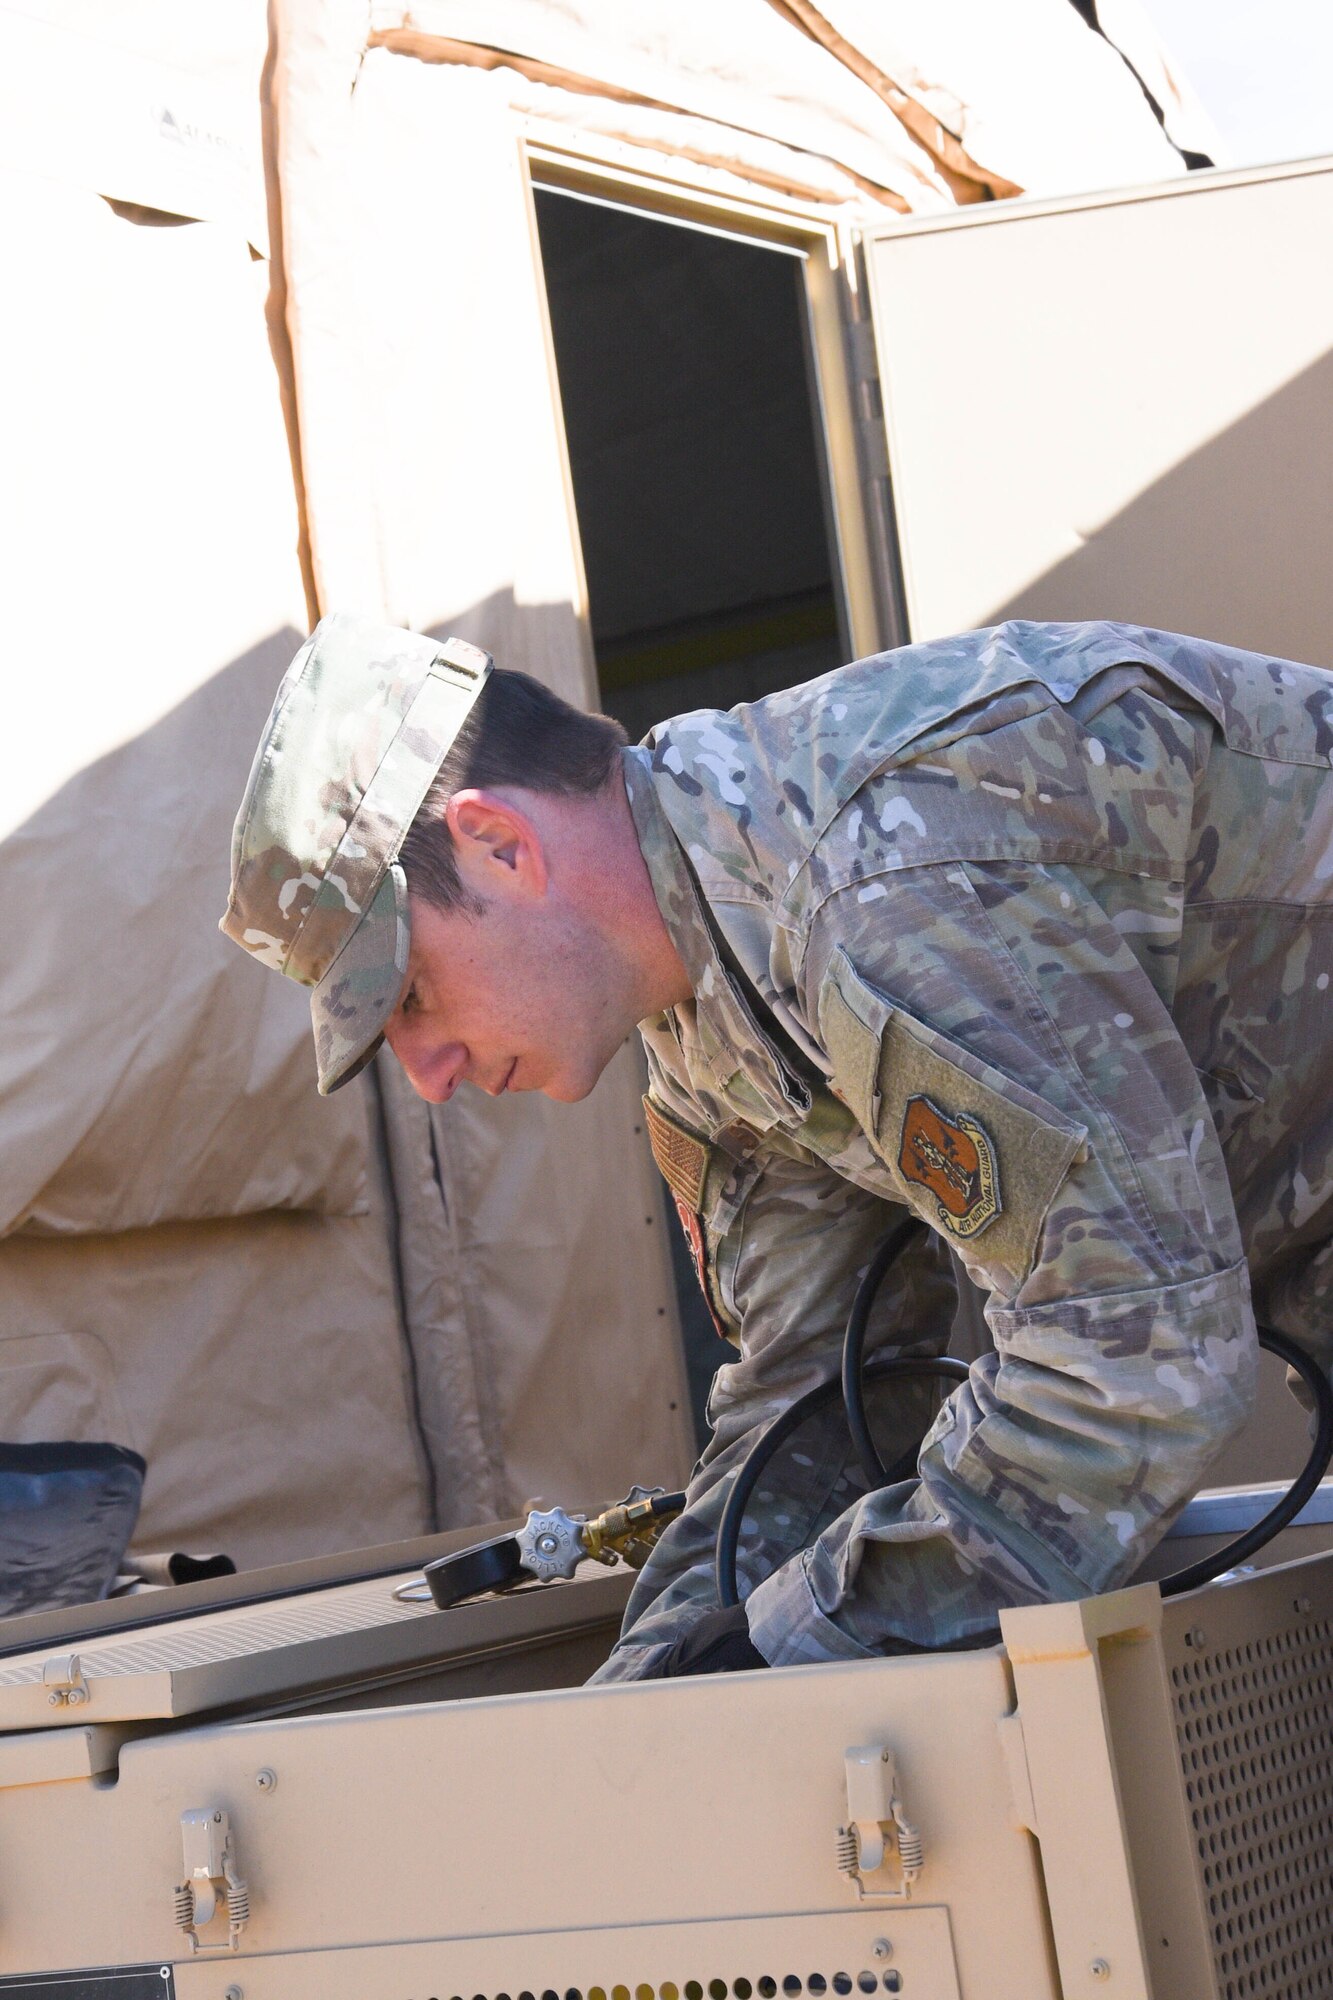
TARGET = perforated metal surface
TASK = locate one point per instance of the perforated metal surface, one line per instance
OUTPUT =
(856, 1954)
(1254, 1724)
(766, 1985)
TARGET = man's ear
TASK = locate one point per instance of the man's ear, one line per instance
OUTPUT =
(491, 834)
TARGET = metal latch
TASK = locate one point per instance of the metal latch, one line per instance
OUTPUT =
(878, 1838)
(211, 1878)
(63, 1676)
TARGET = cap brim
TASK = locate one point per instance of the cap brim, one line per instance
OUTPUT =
(354, 999)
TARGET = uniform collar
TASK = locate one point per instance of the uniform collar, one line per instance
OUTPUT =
(732, 1039)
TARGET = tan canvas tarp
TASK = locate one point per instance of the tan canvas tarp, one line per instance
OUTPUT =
(153, 540)
(145, 1078)
(914, 105)
(257, 1365)
(156, 1092)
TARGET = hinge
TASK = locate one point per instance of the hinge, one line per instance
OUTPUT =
(63, 1677)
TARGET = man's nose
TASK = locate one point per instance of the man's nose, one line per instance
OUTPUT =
(434, 1073)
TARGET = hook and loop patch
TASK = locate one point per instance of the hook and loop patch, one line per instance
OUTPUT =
(683, 1161)
(952, 1156)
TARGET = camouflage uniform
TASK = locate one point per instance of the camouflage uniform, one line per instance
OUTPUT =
(1027, 932)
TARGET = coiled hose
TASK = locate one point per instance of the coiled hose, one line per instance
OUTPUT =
(855, 1373)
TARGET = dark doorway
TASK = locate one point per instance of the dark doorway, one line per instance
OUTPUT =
(699, 485)
(697, 468)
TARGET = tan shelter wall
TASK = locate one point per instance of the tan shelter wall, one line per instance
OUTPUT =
(144, 1077)
(156, 1093)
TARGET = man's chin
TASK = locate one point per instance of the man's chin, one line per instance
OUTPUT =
(564, 1089)
(570, 1083)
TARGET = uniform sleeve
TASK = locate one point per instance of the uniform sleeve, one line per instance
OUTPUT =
(1003, 1033)
(785, 1242)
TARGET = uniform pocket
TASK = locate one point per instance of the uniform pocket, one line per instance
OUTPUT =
(975, 1154)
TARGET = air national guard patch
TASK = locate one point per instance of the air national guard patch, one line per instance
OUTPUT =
(952, 1157)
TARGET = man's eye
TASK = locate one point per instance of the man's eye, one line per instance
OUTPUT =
(410, 1002)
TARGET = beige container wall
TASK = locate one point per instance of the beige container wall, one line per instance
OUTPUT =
(1149, 438)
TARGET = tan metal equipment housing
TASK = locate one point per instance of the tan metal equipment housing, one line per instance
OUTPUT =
(336, 1794)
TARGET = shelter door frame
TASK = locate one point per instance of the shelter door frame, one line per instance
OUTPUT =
(845, 389)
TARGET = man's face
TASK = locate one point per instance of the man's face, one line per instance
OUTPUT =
(502, 1000)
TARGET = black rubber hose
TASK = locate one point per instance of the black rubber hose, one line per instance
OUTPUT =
(747, 1473)
(1196, 1574)
(855, 1374)
(1300, 1490)
(853, 1348)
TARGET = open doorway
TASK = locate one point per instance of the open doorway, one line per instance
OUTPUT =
(700, 487)
(697, 463)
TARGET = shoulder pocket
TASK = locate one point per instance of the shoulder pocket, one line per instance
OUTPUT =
(976, 1155)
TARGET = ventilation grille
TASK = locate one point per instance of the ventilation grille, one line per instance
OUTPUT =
(766, 1987)
(234, 1635)
(1254, 1723)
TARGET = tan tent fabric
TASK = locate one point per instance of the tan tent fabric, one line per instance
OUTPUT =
(1128, 27)
(148, 1078)
(739, 70)
(564, 1268)
(652, 138)
(145, 1073)
(1025, 96)
(543, 1327)
(457, 1387)
(257, 1365)
(1027, 88)
(143, 102)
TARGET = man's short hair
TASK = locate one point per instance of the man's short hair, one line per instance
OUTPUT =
(517, 733)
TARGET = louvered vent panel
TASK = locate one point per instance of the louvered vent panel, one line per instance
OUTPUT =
(1254, 1723)
(228, 1635)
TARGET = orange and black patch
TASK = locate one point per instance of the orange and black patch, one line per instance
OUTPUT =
(952, 1157)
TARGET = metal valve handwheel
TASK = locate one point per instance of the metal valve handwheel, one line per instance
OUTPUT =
(552, 1544)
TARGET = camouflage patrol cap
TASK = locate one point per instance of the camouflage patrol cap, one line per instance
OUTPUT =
(365, 716)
